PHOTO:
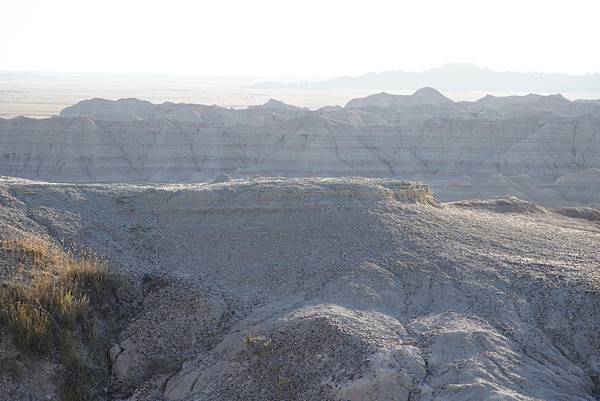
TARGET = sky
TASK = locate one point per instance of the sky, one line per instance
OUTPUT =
(307, 38)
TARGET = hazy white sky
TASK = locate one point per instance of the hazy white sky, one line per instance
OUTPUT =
(308, 38)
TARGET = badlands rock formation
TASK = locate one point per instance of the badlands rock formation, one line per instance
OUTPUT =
(332, 289)
(540, 148)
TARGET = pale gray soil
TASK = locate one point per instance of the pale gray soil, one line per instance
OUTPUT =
(335, 289)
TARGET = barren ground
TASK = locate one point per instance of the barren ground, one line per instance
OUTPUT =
(330, 289)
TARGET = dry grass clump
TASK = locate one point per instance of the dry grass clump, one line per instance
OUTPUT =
(32, 327)
(58, 293)
(57, 305)
(257, 344)
(33, 250)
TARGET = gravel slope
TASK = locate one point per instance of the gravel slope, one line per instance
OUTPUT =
(336, 289)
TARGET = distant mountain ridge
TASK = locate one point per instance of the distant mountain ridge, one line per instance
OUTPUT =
(460, 77)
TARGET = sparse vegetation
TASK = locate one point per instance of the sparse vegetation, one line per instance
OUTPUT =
(62, 305)
(257, 344)
(283, 385)
(32, 326)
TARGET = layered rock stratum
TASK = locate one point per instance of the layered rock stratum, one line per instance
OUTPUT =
(544, 149)
(333, 289)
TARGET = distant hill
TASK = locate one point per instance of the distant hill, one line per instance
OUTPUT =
(422, 97)
(456, 78)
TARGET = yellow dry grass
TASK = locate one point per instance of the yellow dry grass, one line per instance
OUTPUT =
(57, 295)
(45, 307)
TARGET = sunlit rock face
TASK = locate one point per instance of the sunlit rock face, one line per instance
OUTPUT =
(540, 148)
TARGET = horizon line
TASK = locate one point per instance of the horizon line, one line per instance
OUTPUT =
(286, 76)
